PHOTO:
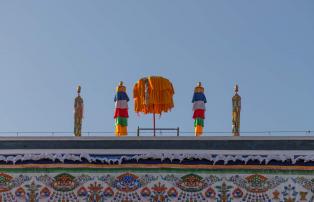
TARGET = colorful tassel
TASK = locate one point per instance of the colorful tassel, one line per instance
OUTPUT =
(121, 130)
(121, 111)
(121, 121)
(199, 122)
(121, 96)
(122, 104)
(198, 130)
(199, 100)
(199, 113)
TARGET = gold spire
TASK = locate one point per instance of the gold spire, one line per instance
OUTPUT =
(78, 89)
(236, 88)
(236, 110)
(78, 112)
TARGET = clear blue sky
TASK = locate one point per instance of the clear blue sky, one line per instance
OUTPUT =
(48, 47)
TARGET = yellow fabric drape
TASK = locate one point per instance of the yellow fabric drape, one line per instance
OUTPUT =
(121, 130)
(157, 98)
(198, 130)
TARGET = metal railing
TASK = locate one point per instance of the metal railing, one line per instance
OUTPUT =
(161, 131)
(158, 129)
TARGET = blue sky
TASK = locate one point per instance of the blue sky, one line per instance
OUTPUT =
(47, 48)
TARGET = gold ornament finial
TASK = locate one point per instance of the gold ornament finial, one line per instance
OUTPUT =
(199, 88)
(121, 87)
(236, 88)
(236, 110)
(78, 112)
(78, 89)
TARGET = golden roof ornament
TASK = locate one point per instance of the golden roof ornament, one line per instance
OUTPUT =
(199, 88)
(236, 88)
(236, 110)
(78, 89)
(121, 87)
(78, 112)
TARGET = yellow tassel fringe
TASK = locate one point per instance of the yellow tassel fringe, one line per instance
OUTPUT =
(159, 99)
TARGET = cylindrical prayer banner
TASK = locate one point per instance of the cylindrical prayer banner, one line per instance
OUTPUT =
(199, 109)
(121, 114)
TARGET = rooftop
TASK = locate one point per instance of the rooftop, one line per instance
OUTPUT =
(160, 143)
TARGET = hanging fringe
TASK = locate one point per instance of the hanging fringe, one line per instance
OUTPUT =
(121, 96)
(198, 130)
(153, 95)
(121, 113)
(199, 97)
(121, 121)
(121, 130)
(199, 122)
(199, 113)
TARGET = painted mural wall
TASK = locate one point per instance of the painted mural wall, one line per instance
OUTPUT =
(159, 176)
(121, 184)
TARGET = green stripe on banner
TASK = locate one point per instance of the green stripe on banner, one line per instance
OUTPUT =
(199, 122)
(122, 121)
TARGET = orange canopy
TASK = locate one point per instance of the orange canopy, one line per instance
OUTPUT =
(153, 94)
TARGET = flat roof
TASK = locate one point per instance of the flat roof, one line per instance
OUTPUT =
(165, 143)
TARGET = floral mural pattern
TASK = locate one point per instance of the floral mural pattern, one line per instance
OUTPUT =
(154, 187)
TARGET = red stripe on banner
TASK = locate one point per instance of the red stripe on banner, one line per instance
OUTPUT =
(121, 112)
(199, 113)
